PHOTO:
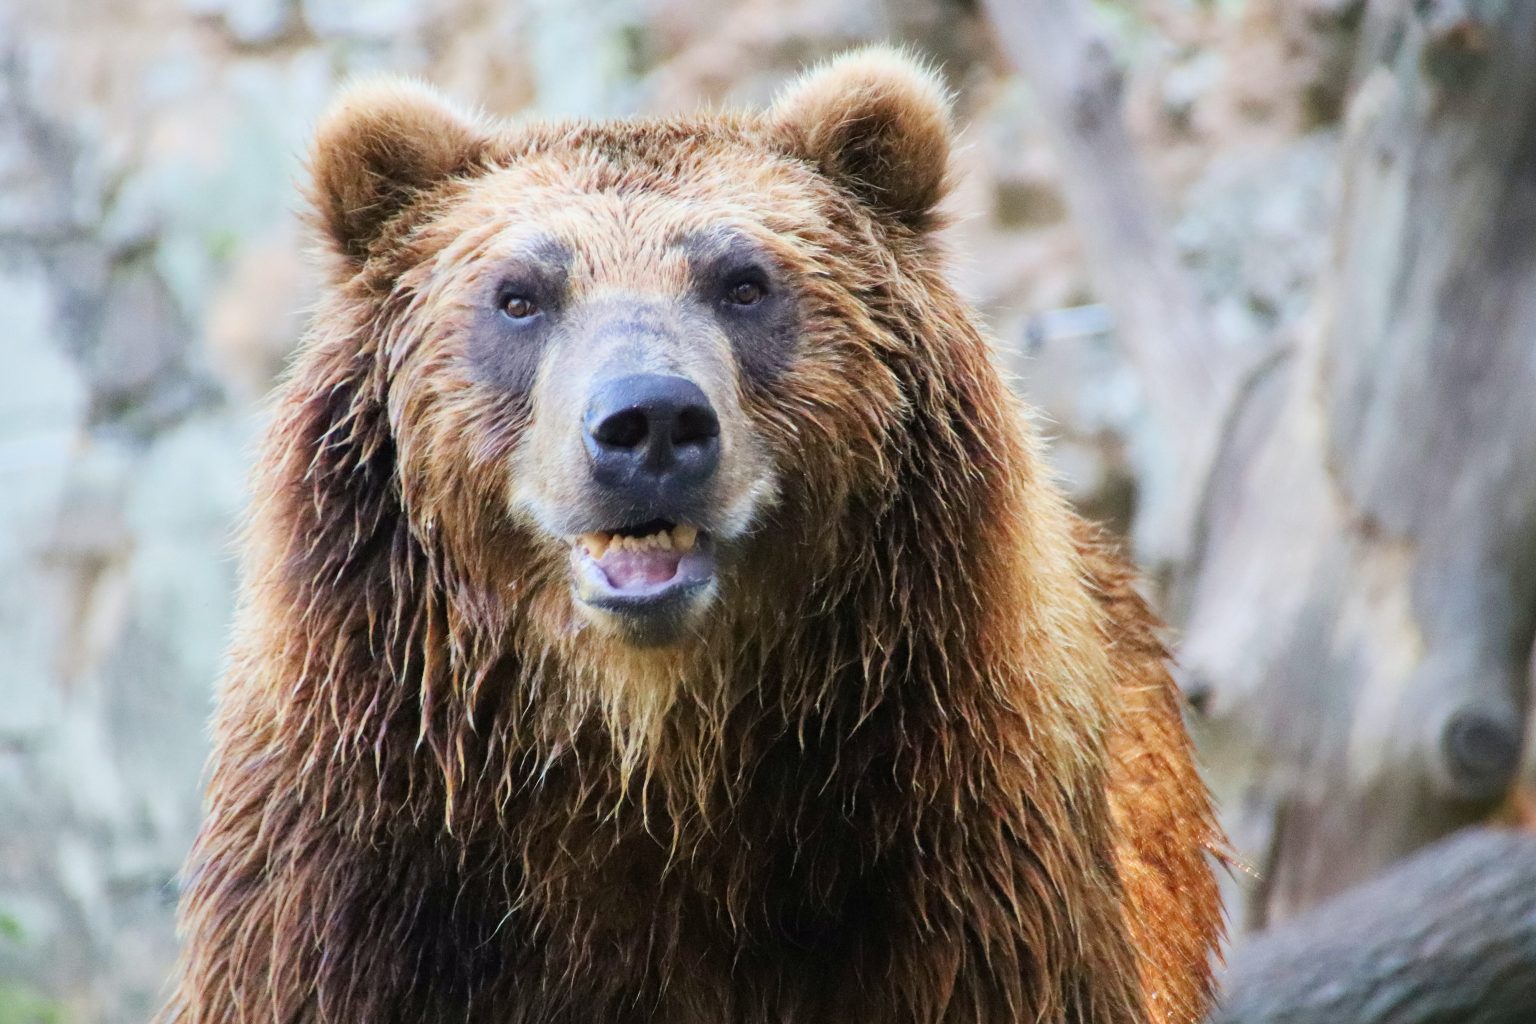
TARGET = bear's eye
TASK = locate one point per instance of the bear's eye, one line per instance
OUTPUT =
(745, 293)
(519, 307)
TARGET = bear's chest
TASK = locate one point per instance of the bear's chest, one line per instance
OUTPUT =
(721, 931)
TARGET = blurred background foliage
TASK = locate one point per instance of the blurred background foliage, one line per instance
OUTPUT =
(153, 281)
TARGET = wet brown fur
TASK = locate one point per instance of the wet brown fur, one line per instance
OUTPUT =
(922, 763)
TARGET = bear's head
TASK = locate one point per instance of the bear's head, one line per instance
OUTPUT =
(648, 383)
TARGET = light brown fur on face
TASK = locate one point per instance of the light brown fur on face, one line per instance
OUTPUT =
(910, 755)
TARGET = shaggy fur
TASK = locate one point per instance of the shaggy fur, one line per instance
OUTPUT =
(922, 761)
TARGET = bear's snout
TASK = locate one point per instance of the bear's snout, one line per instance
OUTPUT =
(653, 440)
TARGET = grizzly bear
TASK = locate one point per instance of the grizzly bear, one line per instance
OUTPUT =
(656, 608)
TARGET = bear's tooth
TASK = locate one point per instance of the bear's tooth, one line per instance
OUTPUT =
(596, 544)
(683, 537)
(664, 540)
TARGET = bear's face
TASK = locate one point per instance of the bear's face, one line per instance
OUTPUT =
(626, 354)
(623, 362)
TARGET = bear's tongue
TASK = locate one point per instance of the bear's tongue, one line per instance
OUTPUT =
(629, 569)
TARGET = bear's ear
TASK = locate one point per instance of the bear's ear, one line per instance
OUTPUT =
(381, 143)
(877, 122)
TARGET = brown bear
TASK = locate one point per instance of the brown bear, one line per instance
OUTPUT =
(656, 608)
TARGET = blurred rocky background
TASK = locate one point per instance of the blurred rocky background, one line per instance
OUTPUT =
(153, 280)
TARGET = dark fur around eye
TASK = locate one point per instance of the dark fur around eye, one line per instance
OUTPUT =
(509, 334)
(752, 300)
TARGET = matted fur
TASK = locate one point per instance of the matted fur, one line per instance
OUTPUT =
(922, 763)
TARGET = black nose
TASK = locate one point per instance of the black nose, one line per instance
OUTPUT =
(653, 436)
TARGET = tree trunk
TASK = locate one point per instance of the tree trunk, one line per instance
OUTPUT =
(1363, 593)
(1358, 524)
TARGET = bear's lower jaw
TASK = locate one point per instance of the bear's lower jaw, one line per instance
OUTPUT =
(646, 587)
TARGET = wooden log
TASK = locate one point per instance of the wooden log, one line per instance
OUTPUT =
(1447, 936)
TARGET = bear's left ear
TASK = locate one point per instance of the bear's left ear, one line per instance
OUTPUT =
(876, 122)
(381, 144)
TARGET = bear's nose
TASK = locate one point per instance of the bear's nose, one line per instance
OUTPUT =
(651, 435)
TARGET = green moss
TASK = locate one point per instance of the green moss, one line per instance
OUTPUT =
(22, 1004)
(223, 243)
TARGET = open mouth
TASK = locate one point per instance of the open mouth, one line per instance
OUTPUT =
(642, 568)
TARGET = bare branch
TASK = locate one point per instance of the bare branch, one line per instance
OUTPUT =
(1159, 320)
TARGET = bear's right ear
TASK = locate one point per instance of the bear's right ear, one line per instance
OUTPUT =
(381, 143)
